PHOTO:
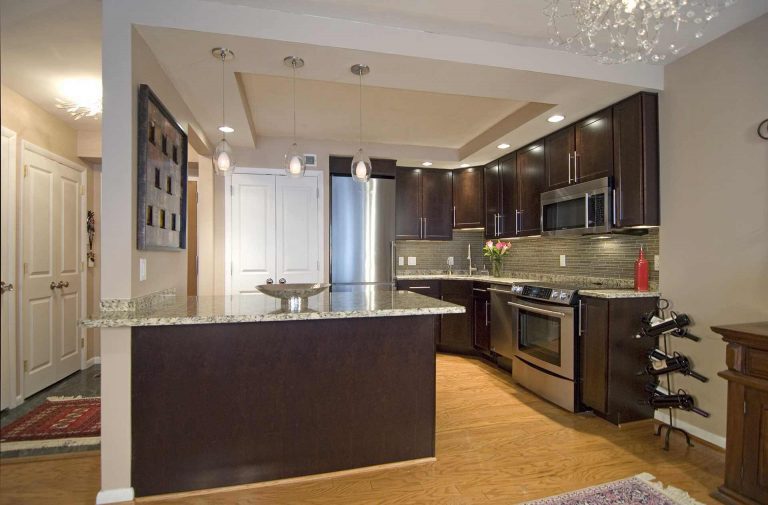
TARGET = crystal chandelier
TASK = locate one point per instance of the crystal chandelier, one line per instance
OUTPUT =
(624, 31)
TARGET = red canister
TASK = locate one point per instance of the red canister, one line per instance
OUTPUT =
(641, 272)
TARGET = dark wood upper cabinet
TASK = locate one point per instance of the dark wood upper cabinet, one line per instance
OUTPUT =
(530, 184)
(492, 197)
(508, 179)
(559, 148)
(580, 152)
(408, 223)
(468, 198)
(436, 204)
(593, 157)
(636, 160)
(423, 204)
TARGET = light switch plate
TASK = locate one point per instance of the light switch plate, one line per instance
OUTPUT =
(562, 260)
(400, 261)
(450, 260)
(656, 262)
(411, 261)
(142, 269)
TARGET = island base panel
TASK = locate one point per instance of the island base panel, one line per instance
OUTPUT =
(224, 404)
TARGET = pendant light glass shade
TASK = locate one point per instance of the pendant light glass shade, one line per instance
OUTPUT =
(223, 162)
(222, 158)
(361, 166)
(294, 162)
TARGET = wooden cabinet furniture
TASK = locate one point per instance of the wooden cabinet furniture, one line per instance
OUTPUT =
(580, 152)
(456, 329)
(636, 161)
(481, 317)
(424, 209)
(428, 287)
(500, 185)
(468, 198)
(611, 357)
(530, 183)
(746, 452)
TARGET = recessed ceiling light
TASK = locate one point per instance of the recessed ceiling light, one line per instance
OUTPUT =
(503, 146)
(226, 129)
(555, 118)
(464, 165)
(427, 164)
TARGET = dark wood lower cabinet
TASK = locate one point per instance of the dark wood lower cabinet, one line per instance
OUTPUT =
(746, 452)
(225, 404)
(481, 317)
(456, 329)
(428, 287)
(611, 357)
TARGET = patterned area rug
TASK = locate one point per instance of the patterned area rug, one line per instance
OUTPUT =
(637, 490)
(59, 422)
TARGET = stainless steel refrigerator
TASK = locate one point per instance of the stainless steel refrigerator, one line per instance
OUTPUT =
(362, 233)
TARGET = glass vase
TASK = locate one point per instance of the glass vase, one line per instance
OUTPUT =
(496, 267)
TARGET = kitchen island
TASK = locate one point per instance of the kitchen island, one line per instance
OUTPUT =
(236, 390)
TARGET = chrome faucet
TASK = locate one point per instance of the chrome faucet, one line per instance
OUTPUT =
(469, 260)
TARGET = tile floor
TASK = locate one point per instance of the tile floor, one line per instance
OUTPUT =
(82, 383)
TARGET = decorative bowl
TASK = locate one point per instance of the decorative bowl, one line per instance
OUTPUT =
(293, 297)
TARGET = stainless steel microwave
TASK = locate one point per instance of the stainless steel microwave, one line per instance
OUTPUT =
(578, 209)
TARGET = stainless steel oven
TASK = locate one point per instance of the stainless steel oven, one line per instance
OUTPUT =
(536, 327)
(579, 209)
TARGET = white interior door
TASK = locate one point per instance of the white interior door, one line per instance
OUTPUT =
(7, 264)
(52, 271)
(253, 232)
(297, 215)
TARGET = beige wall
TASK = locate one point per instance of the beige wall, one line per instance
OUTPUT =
(164, 269)
(714, 201)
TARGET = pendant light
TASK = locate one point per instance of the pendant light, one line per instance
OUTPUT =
(222, 156)
(361, 163)
(294, 161)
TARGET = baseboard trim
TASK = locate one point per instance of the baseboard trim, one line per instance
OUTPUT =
(279, 482)
(695, 432)
(96, 360)
(119, 495)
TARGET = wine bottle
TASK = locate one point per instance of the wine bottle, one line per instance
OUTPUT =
(662, 363)
(655, 326)
(681, 400)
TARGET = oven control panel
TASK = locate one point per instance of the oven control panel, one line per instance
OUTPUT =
(547, 294)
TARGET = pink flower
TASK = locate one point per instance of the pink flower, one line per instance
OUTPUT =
(489, 243)
(499, 245)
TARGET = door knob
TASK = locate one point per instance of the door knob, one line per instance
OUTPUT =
(282, 280)
(270, 281)
(5, 287)
(60, 285)
(53, 285)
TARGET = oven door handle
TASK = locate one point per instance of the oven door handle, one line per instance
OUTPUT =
(537, 310)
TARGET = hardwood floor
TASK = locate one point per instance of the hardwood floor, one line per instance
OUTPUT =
(496, 443)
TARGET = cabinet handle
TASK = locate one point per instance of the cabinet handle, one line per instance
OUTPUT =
(454, 216)
(614, 207)
(495, 225)
(575, 166)
(582, 319)
(480, 290)
(569, 168)
(419, 287)
(487, 321)
(517, 214)
(425, 227)
(586, 210)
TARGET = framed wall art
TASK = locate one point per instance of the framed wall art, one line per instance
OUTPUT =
(161, 176)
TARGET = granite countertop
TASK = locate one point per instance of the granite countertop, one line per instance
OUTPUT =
(179, 310)
(618, 293)
(597, 292)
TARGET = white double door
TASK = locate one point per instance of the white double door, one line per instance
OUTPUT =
(275, 230)
(52, 256)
